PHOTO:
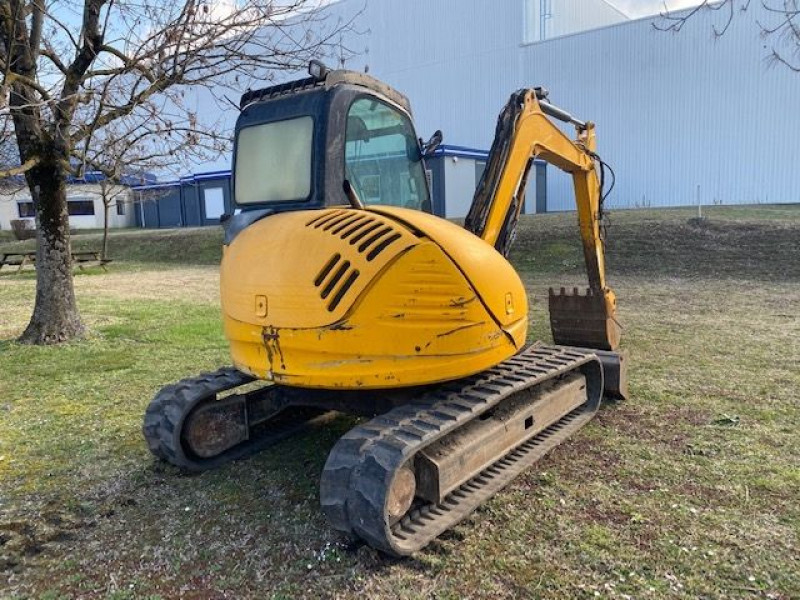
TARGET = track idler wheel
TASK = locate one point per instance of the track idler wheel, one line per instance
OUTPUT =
(401, 493)
(204, 422)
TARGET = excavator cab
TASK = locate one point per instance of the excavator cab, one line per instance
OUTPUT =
(330, 139)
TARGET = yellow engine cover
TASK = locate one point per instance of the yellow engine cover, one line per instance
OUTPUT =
(383, 297)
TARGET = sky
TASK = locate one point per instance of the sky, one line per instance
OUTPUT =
(643, 8)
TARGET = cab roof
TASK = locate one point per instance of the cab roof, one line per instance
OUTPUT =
(329, 80)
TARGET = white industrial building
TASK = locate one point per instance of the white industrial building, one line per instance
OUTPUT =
(681, 117)
(84, 204)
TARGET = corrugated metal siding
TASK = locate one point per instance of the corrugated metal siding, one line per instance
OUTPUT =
(680, 116)
(673, 111)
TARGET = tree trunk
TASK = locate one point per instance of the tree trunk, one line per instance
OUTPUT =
(106, 206)
(55, 315)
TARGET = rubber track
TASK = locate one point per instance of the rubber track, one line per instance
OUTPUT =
(361, 466)
(167, 412)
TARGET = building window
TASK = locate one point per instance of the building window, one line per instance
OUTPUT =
(26, 209)
(120, 208)
(80, 208)
(214, 202)
(537, 21)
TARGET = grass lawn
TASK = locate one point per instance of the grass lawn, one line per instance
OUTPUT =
(689, 489)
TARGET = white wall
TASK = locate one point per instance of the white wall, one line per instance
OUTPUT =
(9, 207)
(8, 211)
(459, 176)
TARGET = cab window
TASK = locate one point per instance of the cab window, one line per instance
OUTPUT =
(273, 161)
(382, 157)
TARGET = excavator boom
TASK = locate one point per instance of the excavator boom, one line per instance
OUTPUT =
(524, 133)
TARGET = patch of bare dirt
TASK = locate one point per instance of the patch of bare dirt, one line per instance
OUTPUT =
(187, 284)
(664, 427)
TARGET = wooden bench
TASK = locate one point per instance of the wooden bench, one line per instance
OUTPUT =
(17, 259)
(81, 259)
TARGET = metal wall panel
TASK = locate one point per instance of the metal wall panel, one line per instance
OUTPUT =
(459, 174)
(680, 117)
(192, 214)
(683, 118)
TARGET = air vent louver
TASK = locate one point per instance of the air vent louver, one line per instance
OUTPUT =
(368, 233)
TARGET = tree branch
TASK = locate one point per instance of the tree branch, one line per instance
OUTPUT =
(37, 18)
(15, 78)
(92, 41)
(21, 169)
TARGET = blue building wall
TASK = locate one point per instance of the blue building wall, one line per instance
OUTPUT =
(182, 203)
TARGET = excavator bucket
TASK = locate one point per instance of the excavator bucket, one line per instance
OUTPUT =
(585, 321)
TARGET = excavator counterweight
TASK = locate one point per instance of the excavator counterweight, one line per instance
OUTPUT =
(341, 292)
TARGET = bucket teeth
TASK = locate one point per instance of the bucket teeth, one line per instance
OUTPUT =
(582, 320)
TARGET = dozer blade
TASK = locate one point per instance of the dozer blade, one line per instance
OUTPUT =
(615, 373)
(583, 321)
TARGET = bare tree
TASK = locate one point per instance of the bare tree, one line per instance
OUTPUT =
(779, 23)
(118, 157)
(111, 191)
(84, 74)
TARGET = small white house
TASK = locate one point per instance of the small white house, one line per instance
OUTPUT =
(84, 203)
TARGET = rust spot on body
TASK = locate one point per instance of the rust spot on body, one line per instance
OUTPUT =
(272, 344)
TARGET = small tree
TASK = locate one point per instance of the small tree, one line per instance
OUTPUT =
(118, 162)
(127, 66)
(110, 191)
(779, 25)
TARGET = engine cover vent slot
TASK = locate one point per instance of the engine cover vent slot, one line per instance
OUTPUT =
(326, 291)
(356, 226)
(382, 245)
(347, 222)
(346, 285)
(323, 218)
(371, 233)
(344, 218)
(364, 232)
(327, 269)
(373, 238)
(333, 280)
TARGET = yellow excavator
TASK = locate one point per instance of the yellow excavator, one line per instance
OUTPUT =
(342, 293)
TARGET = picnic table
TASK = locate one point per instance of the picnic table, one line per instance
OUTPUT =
(81, 259)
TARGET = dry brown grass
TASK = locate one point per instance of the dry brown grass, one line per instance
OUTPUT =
(191, 284)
